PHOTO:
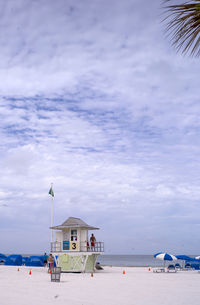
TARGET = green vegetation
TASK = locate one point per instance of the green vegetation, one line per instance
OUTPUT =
(183, 25)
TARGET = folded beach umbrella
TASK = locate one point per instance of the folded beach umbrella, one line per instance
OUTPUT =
(165, 257)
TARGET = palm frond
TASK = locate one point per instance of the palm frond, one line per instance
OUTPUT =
(183, 25)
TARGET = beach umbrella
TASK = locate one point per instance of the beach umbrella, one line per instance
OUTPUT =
(187, 258)
(2, 258)
(165, 257)
(184, 257)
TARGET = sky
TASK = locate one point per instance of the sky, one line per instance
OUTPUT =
(94, 99)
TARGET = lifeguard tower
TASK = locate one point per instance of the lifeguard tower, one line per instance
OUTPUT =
(72, 250)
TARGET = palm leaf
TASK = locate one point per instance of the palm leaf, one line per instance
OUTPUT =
(183, 25)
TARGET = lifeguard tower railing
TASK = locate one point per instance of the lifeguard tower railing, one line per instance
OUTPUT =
(84, 247)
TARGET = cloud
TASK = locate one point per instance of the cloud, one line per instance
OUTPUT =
(95, 100)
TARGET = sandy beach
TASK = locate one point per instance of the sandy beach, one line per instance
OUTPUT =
(137, 286)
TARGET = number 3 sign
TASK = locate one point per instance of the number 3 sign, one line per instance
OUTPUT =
(73, 246)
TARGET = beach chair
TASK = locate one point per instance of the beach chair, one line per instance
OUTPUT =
(158, 270)
(188, 266)
(178, 266)
(98, 266)
(171, 268)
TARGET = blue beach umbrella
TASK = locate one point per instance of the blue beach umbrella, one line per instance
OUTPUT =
(165, 257)
(2, 258)
(184, 257)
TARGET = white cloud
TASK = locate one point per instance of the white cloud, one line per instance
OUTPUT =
(97, 102)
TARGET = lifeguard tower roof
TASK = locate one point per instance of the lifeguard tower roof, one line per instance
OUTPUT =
(73, 222)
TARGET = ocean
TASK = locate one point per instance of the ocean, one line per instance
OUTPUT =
(129, 260)
(126, 260)
(123, 260)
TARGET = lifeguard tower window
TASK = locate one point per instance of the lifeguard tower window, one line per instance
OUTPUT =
(73, 235)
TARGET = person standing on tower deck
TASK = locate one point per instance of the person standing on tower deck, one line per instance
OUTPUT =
(92, 241)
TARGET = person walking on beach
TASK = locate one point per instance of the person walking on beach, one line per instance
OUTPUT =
(92, 241)
(45, 259)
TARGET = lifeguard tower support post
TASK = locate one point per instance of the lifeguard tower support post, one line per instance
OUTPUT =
(72, 250)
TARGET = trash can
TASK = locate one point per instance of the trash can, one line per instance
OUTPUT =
(55, 274)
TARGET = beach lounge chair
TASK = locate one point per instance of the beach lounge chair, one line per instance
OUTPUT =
(158, 270)
(98, 266)
(188, 266)
(178, 266)
(171, 268)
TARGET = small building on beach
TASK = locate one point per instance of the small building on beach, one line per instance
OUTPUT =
(72, 249)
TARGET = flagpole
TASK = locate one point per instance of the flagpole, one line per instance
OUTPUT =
(51, 216)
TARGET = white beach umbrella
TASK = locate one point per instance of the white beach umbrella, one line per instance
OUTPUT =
(165, 257)
(197, 257)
